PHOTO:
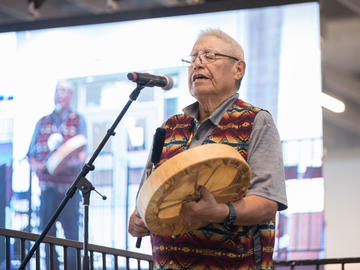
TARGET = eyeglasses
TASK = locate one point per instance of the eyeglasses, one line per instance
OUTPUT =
(205, 58)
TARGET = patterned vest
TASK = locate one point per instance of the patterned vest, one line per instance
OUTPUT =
(68, 129)
(215, 246)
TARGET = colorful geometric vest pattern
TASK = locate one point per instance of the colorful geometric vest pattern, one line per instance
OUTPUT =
(68, 129)
(215, 246)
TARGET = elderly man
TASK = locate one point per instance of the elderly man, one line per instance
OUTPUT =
(240, 234)
(51, 132)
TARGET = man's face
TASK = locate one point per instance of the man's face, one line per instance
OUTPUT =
(62, 97)
(216, 79)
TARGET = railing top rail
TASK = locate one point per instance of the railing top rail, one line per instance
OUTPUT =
(135, 255)
(74, 244)
(318, 261)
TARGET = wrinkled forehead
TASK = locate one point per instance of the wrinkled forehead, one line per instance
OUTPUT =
(210, 42)
(218, 44)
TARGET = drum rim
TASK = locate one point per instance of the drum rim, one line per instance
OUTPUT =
(219, 151)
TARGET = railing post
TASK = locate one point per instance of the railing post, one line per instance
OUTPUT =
(91, 260)
(8, 257)
(22, 248)
(78, 258)
(116, 262)
(104, 261)
(65, 258)
(52, 257)
(38, 258)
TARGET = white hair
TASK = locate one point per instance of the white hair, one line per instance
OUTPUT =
(65, 84)
(235, 47)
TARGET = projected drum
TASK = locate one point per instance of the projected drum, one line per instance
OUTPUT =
(66, 155)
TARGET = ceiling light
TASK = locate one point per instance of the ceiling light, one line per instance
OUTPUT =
(331, 103)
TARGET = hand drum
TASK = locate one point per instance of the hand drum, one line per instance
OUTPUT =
(65, 156)
(218, 167)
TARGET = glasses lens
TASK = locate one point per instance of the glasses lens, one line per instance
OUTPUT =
(205, 57)
(208, 57)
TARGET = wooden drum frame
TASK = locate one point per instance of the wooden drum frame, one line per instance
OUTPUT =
(218, 167)
(59, 159)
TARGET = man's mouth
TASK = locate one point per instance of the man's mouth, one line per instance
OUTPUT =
(199, 77)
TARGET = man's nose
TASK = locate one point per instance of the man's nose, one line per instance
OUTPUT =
(197, 62)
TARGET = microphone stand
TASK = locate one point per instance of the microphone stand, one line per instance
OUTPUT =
(85, 186)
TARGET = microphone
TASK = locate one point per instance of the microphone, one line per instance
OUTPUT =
(159, 139)
(146, 79)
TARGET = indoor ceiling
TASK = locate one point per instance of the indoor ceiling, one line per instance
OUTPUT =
(69, 12)
(14, 11)
(340, 54)
(340, 35)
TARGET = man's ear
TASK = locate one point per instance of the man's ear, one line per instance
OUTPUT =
(239, 69)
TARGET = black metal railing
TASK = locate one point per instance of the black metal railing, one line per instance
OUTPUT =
(111, 258)
(100, 257)
(316, 264)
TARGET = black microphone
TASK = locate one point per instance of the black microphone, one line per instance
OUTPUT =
(146, 79)
(159, 139)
